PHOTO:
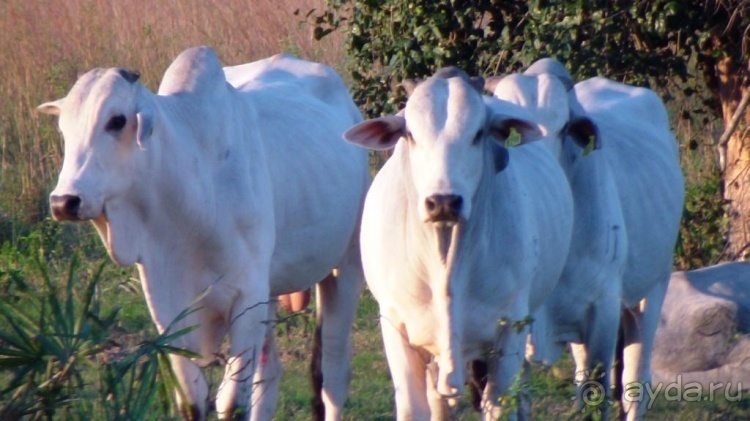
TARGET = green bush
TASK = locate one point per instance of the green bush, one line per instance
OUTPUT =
(389, 41)
(704, 225)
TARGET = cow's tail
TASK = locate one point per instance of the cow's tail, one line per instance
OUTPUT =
(618, 365)
(316, 372)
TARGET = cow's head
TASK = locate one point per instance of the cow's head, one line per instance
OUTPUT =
(451, 138)
(543, 90)
(106, 122)
(102, 124)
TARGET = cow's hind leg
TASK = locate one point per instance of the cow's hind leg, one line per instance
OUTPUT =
(337, 306)
(316, 372)
(639, 328)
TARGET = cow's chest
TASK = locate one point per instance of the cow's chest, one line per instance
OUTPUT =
(422, 319)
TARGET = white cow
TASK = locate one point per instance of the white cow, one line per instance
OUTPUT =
(461, 240)
(628, 202)
(224, 195)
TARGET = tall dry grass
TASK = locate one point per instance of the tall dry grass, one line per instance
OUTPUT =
(45, 45)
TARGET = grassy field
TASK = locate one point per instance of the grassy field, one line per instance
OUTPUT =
(45, 45)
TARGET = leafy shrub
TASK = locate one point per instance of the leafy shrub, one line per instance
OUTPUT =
(392, 40)
(704, 225)
(389, 41)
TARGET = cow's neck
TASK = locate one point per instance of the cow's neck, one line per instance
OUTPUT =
(175, 192)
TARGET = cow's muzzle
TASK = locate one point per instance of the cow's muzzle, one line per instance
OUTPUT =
(65, 207)
(443, 207)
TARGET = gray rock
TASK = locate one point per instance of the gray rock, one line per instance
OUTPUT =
(702, 330)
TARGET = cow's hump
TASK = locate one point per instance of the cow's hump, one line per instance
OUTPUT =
(196, 70)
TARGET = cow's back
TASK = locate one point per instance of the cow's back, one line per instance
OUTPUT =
(319, 181)
(295, 77)
(641, 153)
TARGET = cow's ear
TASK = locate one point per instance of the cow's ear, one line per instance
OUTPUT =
(145, 128)
(501, 127)
(584, 132)
(409, 85)
(379, 133)
(477, 82)
(51, 108)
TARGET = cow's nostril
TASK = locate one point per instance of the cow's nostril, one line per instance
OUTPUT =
(443, 207)
(430, 204)
(455, 203)
(72, 205)
(65, 207)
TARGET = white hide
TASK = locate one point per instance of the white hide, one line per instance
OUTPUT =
(226, 194)
(628, 197)
(504, 254)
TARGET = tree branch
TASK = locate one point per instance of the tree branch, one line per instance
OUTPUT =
(733, 123)
(724, 139)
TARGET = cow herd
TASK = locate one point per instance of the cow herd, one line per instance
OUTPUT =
(517, 215)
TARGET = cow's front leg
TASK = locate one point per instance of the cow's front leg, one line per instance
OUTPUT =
(439, 408)
(639, 328)
(408, 372)
(267, 375)
(247, 331)
(595, 358)
(504, 368)
(193, 398)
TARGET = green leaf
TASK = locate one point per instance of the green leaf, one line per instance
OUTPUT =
(589, 146)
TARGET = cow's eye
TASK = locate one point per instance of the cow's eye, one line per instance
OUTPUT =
(409, 137)
(116, 123)
(478, 137)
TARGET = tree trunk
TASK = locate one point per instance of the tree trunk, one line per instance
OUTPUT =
(731, 85)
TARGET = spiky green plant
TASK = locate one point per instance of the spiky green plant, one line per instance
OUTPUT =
(56, 341)
(45, 338)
